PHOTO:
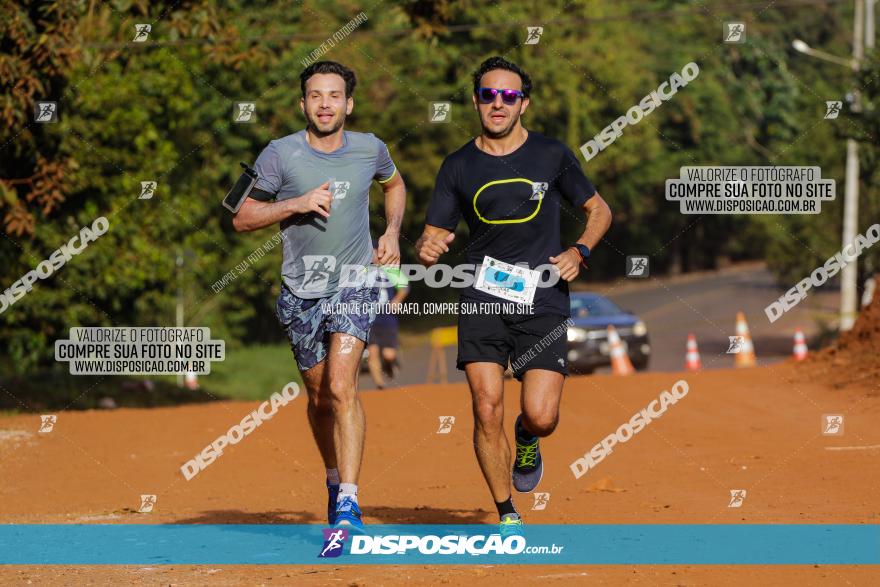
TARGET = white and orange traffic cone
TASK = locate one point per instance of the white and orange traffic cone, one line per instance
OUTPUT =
(191, 380)
(620, 363)
(800, 345)
(746, 355)
(692, 358)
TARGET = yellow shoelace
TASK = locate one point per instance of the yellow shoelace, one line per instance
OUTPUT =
(528, 454)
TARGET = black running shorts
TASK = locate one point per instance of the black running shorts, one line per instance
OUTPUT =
(525, 342)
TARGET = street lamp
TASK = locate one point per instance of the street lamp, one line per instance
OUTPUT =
(801, 47)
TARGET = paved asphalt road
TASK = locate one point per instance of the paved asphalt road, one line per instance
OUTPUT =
(704, 304)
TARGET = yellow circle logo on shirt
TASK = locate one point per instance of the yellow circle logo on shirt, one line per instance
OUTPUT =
(510, 220)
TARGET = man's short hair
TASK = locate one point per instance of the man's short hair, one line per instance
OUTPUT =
(329, 67)
(502, 63)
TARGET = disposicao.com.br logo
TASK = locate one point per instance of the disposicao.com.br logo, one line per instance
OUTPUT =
(431, 544)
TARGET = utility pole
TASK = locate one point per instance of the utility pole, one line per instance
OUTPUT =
(869, 24)
(863, 35)
(849, 274)
(179, 309)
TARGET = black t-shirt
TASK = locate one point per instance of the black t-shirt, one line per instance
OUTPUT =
(509, 217)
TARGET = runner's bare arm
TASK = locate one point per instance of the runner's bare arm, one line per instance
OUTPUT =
(598, 215)
(255, 214)
(433, 243)
(598, 220)
(395, 203)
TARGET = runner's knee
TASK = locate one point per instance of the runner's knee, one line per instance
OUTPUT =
(541, 424)
(342, 392)
(488, 411)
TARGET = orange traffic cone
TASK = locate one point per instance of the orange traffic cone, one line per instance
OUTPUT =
(746, 355)
(800, 345)
(692, 358)
(620, 363)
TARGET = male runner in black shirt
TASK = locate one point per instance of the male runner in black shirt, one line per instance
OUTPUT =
(509, 184)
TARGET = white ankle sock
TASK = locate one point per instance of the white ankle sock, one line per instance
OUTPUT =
(333, 476)
(348, 489)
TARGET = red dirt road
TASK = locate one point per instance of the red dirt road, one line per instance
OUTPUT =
(754, 429)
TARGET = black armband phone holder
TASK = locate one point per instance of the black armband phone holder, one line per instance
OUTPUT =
(236, 196)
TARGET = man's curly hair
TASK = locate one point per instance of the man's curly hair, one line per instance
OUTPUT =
(502, 63)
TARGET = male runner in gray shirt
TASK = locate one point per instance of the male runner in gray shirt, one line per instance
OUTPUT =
(320, 180)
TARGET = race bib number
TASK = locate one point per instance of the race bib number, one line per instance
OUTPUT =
(506, 281)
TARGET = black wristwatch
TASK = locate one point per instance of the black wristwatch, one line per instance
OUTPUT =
(584, 252)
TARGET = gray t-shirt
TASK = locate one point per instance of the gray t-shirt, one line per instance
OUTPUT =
(315, 248)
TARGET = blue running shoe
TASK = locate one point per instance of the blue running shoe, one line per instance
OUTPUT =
(348, 514)
(511, 525)
(528, 467)
(332, 494)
